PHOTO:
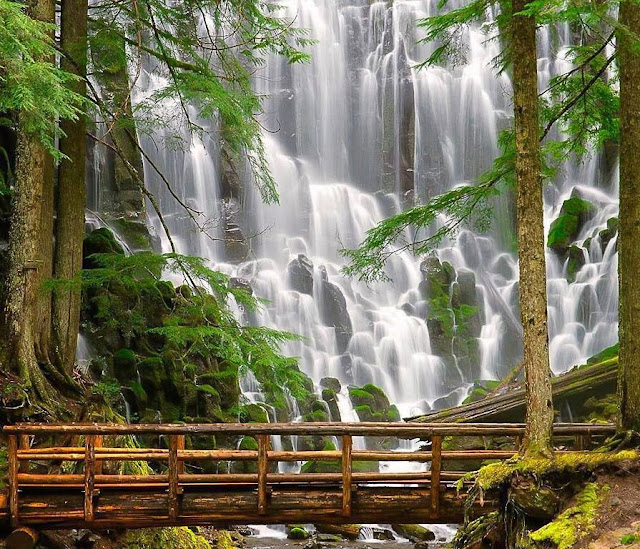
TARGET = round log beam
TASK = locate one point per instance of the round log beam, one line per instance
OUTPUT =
(22, 538)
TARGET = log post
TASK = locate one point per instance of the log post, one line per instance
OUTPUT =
(347, 472)
(180, 448)
(24, 443)
(436, 467)
(89, 476)
(583, 442)
(12, 457)
(22, 538)
(99, 442)
(173, 477)
(263, 469)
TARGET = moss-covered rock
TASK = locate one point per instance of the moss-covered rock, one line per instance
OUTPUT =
(564, 230)
(253, 413)
(99, 241)
(606, 235)
(330, 397)
(298, 532)
(576, 261)
(132, 231)
(167, 538)
(414, 532)
(331, 383)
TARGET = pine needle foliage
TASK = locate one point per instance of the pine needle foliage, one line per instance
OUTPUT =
(30, 81)
(197, 321)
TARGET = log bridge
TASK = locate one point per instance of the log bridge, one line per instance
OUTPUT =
(90, 475)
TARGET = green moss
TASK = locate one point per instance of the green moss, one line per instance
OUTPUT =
(167, 538)
(139, 392)
(298, 532)
(125, 365)
(134, 233)
(605, 354)
(565, 228)
(576, 522)
(360, 397)
(381, 401)
(628, 539)
(496, 474)
(253, 413)
(562, 233)
(248, 443)
(579, 207)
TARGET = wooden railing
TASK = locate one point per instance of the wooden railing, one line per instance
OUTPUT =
(31, 497)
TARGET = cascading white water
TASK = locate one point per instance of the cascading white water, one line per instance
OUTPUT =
(351, 138)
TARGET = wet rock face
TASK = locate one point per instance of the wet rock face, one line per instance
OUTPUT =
(333, 311)
(235, 242)
(300, 275)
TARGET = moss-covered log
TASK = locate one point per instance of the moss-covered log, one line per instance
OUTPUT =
(580, 383)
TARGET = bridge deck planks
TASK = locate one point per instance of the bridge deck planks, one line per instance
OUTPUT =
(293, 504)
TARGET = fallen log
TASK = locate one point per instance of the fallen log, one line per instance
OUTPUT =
(581, 382)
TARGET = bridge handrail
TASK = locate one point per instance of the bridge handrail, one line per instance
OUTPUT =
(400, 429)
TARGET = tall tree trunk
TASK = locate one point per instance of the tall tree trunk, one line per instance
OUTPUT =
(629, 233)
(533, 286)
(29, 254)
(71, 189)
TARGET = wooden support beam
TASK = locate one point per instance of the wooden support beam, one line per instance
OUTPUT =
(173, 477)
(347, 472)
(263, 470)
(89, 476)
(436, 467)
(22, 538)
(12, 458)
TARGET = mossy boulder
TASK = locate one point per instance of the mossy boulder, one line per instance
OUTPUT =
(577, 260)
(347, 531)
(330, 397)
(298, 532)
(564, 230)
(413, 532)
(246, 443)
(99, 241)
(331, 383)
(253, 413)
(134, 232)
(606, 235)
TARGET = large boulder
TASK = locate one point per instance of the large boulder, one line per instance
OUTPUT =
(564, 230)
(333, 310)
(300, 275)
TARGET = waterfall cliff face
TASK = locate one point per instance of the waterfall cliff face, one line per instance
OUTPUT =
(352, 137)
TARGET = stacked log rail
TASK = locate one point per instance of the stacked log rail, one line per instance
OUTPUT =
(178, 495)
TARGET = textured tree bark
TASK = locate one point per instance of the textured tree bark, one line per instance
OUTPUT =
(629, 233)
(29, 253)
(71, 189)
(533, 286)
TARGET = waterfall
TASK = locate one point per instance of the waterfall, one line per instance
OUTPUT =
(352, 137)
